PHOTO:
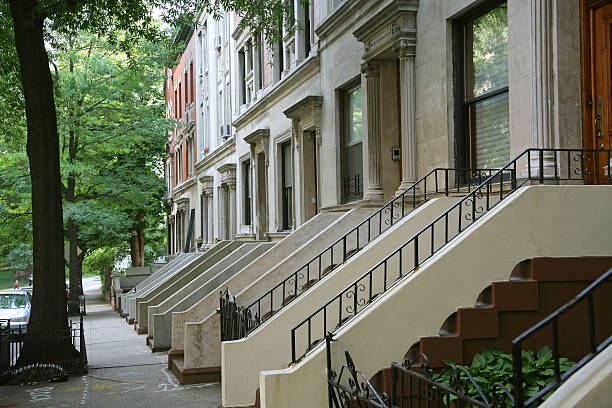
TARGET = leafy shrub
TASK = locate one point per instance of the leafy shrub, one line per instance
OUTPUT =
(493, 366)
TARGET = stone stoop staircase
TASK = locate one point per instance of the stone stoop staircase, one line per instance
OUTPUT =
(505, 309)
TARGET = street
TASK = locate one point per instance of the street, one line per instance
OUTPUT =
(122, 371)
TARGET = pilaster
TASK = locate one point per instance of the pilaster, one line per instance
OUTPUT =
(373, 183)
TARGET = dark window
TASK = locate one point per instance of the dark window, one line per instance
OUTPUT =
(287, 182)
(246, 179)
(352, 143)
(482, 88)
(260, 61)
(307, 28)
(242, 76)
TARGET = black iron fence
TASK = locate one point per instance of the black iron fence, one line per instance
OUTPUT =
(552, 321)
(235, 320)
(76, 307)
(12, 341)
(539, 166)
(440, 181)
(413, 385)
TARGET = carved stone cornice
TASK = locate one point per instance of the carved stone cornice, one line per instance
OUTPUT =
(391, 29)
(182, 204)
(228, 174)
(258, 140)
(304, 107)
(207, 184)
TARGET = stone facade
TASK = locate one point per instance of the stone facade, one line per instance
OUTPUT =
(357, 105)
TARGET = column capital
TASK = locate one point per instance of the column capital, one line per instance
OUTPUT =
(406, 49)
(370, 69)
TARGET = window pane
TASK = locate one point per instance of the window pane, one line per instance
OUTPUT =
(487, 38)
(288, 178)
(491, 130)
(354, 128)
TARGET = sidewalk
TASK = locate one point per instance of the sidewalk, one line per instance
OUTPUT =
(122, 371)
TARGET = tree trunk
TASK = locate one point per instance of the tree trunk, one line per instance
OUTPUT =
(137, 246)
(48, 315)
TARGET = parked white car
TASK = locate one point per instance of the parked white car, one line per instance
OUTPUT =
(15, 305)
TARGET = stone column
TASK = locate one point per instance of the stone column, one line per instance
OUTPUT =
(205, 220)
(231, 184)
(210, 224)
(543, 90)
(222, 213)
(373, 186)
(408, 114)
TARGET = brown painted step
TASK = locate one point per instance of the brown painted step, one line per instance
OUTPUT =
(185, 376)
(505, 309)
(518, 304)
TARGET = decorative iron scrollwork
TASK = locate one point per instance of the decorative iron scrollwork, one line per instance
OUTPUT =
(360, 301)
(351, 388)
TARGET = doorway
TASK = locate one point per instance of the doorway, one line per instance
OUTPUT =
(596, 34)
(311, 191)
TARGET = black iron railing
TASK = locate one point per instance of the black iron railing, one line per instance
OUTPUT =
(350, 388)
(533, 165)
(353, 187)
(436, 182)
(552, 321)
(235, 320)
(12, 341)
(76, 307)
(413, 385)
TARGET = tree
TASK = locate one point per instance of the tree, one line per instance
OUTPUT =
(29, 18)
(112, 133)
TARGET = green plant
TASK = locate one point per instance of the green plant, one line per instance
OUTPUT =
(493, 366)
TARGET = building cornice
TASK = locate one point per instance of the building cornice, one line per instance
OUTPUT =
(183, 186)
(394, 26)
(256, 136)
(339, 15)
(217, 154)
(299, 74)
(298, 109)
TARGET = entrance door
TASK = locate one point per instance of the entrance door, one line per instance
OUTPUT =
(597, 85)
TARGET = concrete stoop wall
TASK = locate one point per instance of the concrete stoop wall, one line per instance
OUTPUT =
(160, 317)
(167, 269)
(183, 262)
(537, 221)
(182, 278)
(271, 259)
(191, 279)
(202, 345)
(589, 387)
(269, 346)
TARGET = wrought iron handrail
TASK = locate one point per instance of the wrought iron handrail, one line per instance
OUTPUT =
(395, 209)
(553, 320)
(235, 320)
(477, 203)
(356, 391)
(430, 389)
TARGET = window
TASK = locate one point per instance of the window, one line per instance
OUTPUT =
(482, 113)
(190, 156)
(192, 83)
(287, 186)
(352, 143)
(242, 75)
(246, 191)
(307, 43)
(180, 103)
(260, 62)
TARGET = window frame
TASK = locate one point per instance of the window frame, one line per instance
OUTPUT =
(465, 157)
(344, 143)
